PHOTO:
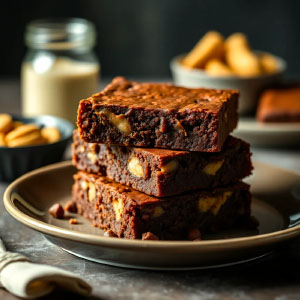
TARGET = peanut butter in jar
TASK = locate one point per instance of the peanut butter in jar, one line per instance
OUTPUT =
(60, 68)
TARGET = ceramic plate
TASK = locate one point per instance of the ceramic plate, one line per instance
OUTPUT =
(275, 134)
(276, 204)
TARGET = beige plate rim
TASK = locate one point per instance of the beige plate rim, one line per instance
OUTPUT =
(56, 231)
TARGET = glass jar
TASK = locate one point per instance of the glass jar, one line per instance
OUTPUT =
(59, 68)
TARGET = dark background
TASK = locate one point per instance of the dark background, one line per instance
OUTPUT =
(139, 37)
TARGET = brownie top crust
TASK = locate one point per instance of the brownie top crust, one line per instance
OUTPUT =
(123, 92)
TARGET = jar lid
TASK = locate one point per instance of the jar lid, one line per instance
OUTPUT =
(60, 34)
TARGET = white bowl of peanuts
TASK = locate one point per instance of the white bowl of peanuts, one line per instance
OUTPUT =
(29, 143)
(230, 63)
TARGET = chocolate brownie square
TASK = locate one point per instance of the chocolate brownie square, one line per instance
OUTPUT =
(279, 105)
(130, 214)
(163, 172)
(158, 115)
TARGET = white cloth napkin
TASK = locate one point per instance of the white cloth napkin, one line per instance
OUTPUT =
(29, 280)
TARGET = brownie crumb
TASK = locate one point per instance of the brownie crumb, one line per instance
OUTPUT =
(71, 206)
(194, 234)
(73, 221)
(56, 211)
(110, 233)
(149, 236)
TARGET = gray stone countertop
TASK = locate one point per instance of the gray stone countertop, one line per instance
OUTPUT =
(274, 277)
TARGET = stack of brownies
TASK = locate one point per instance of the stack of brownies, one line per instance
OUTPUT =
(156, 161)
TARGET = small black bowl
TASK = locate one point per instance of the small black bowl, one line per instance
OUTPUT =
(16, 161)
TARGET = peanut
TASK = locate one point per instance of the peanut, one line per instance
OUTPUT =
(18, 134)
(84, 185)
(51, 134)
(92, 157)
(215, 67)
(213, 204)
(92, 192)
(32, 138)
(268, 62)
(158, 211)
(22, 131)
(213, 168)
(237, 41)
(117, 120)
(169, 167)
(118, 207)
(135, 167)
(210, 46)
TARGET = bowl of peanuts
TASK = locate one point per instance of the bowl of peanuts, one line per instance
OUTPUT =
(30, 143)
(219, 63)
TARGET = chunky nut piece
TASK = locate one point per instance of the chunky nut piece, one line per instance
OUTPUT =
(134, 167)
(5, 122)
(93, 147)
(213, 204)
(84, 184)
(169, 167)
(56, 211)
(92, 157)
(81, 149)
(221, 200)
(205, 204)
(92, 192)
(118, 206)
(158, 211)
(51, 134)
(117, 120)
(213, 168)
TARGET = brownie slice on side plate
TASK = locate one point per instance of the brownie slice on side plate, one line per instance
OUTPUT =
(281, 105)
